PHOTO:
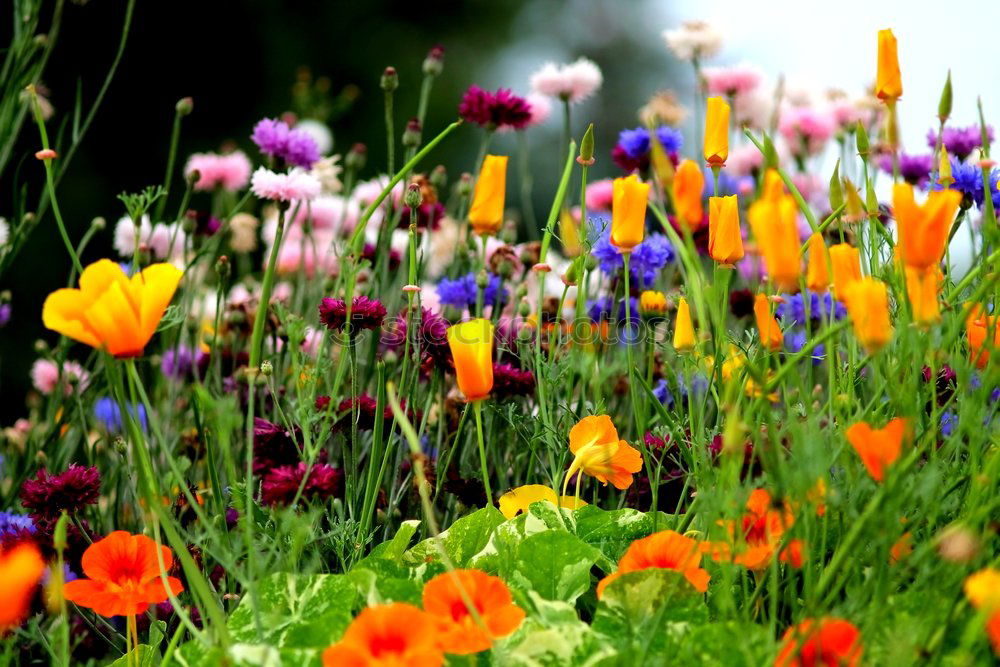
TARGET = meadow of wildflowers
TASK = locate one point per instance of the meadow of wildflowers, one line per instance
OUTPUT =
(733, 406)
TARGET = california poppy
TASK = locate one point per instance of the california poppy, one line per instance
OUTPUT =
(867, 302)
(123, 576)
(683, 327)
(471, 344)
(688, 186)
(725, 240)
(716, 131)
(459, 632)
(983, 591)
(922, 288)
(110, 309)
(979, 329)
(845, 261)
(486, 212)
(21, 568)
(628, 212)
(388, 635)
(818, 269)
(923, 230)
(826, 642)
(518, 500)
(888, 81)
(777, 232)
(667, 550)
(599, 452)
(770, 333)
(878, 447)
(652, 304)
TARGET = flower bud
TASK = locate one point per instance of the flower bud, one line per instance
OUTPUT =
(836, 191)
(355, 158)
(944, 106)
(587, 147)
(861, 140)
(266, 368)
(524, 309)
(193, 177)
(413, 197)
(59, 534)
(465, 185)
(412, 133)
(222, 267)
(98, 223)
(184, 106)
(482, 279)
(434, 62)
(439, 177)
(390, 80)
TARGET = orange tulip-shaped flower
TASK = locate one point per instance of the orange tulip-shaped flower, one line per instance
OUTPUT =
(689, 184)
(517, 501)
(845, 261)
(828, 642)
(778, 238)
(867, 302)
(818, 269)
(110, 309)
(770, 333)
(725, 241)
(923, 230)
(922, 290)
(666, 550)
(21, 568)
(459, 632)
(388, 635)
(888, 82)
(123, 576)
(983, 590)
(599, 452)
(471, 344)
(980, 330)
(878, 447)
(628, 212)
(716, 132)
(683, 327)
(486, 212)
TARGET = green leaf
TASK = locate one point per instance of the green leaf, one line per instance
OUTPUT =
(613, 531)
(394, 548)
(463, 540)
(725, 644)
(195, 654)
(554, 564)
(380, 581)
(142, 655)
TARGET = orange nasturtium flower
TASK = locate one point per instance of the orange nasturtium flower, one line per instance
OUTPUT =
(628, 212)
(828, 641)
(689, 184)
(922, 290)
(388, 635)
(888, 82)
(599, 452)
(878, 447)
(518, 500)
(923, 230)
(867, 302)
(123, 576)
(683, 327)
(716, 132)
(770, 333)
(471, 344)
(845, 261)
(761, 528)
(725, 241)
(459, 632)
(110, 309)
(979, 329)
(778, 239)
(983, 591)
(818, 269)
(666, 550)
(486, 212)
(21, 568)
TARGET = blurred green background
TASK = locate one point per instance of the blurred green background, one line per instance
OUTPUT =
(239, 61)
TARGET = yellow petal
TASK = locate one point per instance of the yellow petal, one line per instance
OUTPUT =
(63, 313)
(156, 286)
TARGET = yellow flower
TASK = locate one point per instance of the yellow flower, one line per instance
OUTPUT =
(628, 212)
(867, 302)
(652, 303)
(111, 310)
(598, 452)
(486, 213)
(569, 233)
(889, 82)
(776, 229)
(818, 270)
(716, 132)
(518, 500)
(683, 327)
(945, 178)
(471, 346)
(688, 186)
(845, 260)
(725, 241)
(770, 333)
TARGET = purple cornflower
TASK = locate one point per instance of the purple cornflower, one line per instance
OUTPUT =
(915, 169)
(968, 179)
(47, 495)
(960, 141)
(431, 337)
(365, 313)
(728, 185)
(949, 422)
(107, 411)
(295, 147)
(796, 339)
(793, 308)
(662, 393)
(12, 525)
(5, 311)
(177, 362)
(461, 292)
(282, 484)
(599, 309)
(648, 257)
(494, 110)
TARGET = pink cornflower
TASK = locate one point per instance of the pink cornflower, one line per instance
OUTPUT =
(573, 83)
(541, 109)
(229, 172)
(45, 376)
(296, 185)
(805, 129)
(744, 159)
(599, 195)
(494, 110)
(731, 81)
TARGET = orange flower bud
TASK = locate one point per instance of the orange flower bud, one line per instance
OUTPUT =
(922, 290)
(770, 333)
(845, 260)
(818, 271)
(628, 212)
(888, 83)
(689, 183)
(471, 344)
(777, 232)
(923, 230)
(867, 302)
(979, 329)
(716, 132)
(486, 213)
(725, 242)
(683, 327)
(569, 233)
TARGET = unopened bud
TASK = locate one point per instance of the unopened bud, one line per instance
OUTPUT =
(465, 185)
(587, 147)
(439, 178)
(836, 191)
(944, 105)
(120, 446)
(412, 134)
(355, 158)
(390, 80)
(184, 106)
(482, 279)
(861, 140)
(223, 267)
(524, 309)
(266, 368)
(98, 223)
(193, 177)
(413, 197)
(434, 62)
(41, 347)
(59, 534)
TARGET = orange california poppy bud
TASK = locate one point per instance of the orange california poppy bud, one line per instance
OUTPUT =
(448, 596)
(923, 230)
(845, 261)
(922, 289)
(486, 213)
(21, 568)
(716, 132)
(652, 304)
(878, 447)
(770, 333)
(689, 184)
(628, 212)
(471, 344)
(818, 271)
(867, 302)
(569, 233)
(778, 237)
(111, 310)
(980, 328)
(945, 177)
(725, 242)
(683, 327)
(888, 83)
(774, 186)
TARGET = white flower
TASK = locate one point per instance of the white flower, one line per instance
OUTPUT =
(243, 232)
(319, 132)
(126, 236)
(328, 171)
(4, 232)
(574, 82)
(541, 108)
(694, 40)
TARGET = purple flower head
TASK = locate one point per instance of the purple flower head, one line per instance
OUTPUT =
(177, 362)
(295, 147)
(5, 311)
(648, 258)
(949, 422)
(663, 394)
(915, 169)
(365, 313)
(431, 337)
(728, 184)
(281, 485)
(796, 339)
(599, 309)
(960, 141)
(635, 143)
(461, 293)
(273, 446)
(494, 110)
(15, 525)
(793, 308)
(107, 411)
(509, 381)
(72, 490)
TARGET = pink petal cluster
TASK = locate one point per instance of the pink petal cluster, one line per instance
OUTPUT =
(694, 40)
(162, 240)
(599, 195)
(45, 376)
(296, 185)
(744, 159)
(574, 82)
(805, 129)
(731, 81)
(229, 172)
(541, 108)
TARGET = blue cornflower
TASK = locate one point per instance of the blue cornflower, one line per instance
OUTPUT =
(662, 393)
(793, 308)
(635, 142)
(648, 257)
(461, 292)
(107, 412)
(949, 422)
(796, 339)
(599, 309)
(12, 523)
(633, 309)
(728, 185)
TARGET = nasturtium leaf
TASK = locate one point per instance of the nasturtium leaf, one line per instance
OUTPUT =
(463, 540)
(554, 564)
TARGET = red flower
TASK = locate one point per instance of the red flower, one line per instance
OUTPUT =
(47, 495)
(494, 110)
(365, 313)
(829, 642)
(282, 484)
(509, 381)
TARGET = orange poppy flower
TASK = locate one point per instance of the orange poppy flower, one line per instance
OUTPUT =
(878, 447)
(471, 345)
(600, 453)
(21, 568)
(486, 211)
(112, 310)
(888, 81)
(458, 631)
(123, 576)
(923, 230)
(776, 229)
(689, 184)
(716, 131)
(979, 327)
(667, 550)
(770, 333)
(761, 528)
(725, 240)
(845, 262)
(388, 635)
(818, 268)
(628, 212)
(867, 302)
(823, 643)
(922, 289)
(983, 591)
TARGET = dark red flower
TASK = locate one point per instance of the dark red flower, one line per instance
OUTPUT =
(431, 339)
(281, 484)
(494, 110)
(365, 313)
(273, 446)
(366, 411)
(428, 216)
(322, 403)
(368, 252)
(509, 381)
(741, 303)
(945, 384)
(47, 495)
(626, 162)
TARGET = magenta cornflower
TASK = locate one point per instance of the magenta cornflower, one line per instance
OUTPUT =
(494, 110)
(281, 485)
(273, 446)
(509, 381)
(227, 172)
(365, 313)
(72, 490)
(294, 147)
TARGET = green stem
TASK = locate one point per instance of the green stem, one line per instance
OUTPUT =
(478, 406)
(260, 319)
